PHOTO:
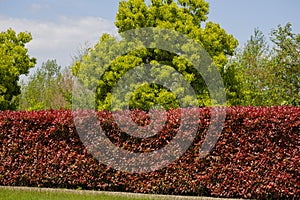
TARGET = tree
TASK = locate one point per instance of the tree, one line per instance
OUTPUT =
(14, 61)
(264, 75)
(48, 88)
(184, 16)
(287, 62)
(253, 71)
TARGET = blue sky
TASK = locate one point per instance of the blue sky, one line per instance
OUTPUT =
(61, 27)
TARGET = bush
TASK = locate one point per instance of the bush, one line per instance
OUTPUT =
(256, 156)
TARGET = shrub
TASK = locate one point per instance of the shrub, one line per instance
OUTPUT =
(256, 156)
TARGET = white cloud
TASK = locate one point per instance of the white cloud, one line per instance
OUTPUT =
(62, 39)
(36, 7)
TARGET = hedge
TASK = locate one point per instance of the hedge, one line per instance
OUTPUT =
(256, 156)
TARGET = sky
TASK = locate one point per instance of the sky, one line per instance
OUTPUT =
(60, 28)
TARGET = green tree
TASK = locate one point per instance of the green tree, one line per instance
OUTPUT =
(14, 61)
(267, 75)
(287, 62)
(254, 75)
(48, 88)
(184, 16)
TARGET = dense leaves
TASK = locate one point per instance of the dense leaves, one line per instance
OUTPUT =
(256, 156)
(266, 74)
(186, 17)
(49, 87)
(287, 62)
(14, 61)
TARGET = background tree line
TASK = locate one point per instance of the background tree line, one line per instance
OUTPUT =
(266, 73)
(262, 72)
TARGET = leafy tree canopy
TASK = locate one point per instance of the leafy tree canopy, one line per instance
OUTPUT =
(185, 16)
(47, 88)
(287, 62)
(267, 75)
(14, 61)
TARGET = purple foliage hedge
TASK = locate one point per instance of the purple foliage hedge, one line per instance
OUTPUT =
(256, 156)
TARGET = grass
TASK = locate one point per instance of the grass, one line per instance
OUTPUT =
(12, 194)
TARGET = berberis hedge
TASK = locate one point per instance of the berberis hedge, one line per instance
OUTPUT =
(256, 156)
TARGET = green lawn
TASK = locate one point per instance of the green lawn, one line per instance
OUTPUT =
(12, 194)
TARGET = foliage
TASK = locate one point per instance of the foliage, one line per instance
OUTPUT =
(14, 61)
(252, 64)
(256, 156)
(264, 75)
(47, 88)
(287, 62)
(183, 16)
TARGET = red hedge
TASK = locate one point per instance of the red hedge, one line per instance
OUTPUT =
(257, 155)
